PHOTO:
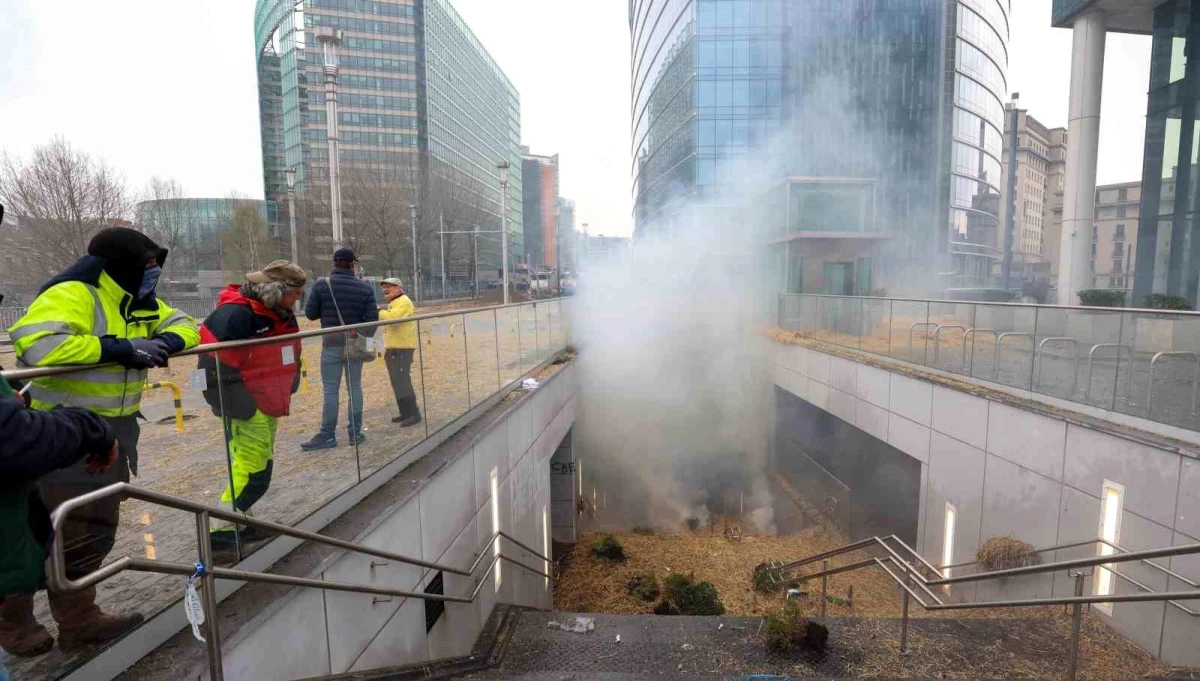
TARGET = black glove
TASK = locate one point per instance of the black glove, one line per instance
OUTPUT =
(147, 354)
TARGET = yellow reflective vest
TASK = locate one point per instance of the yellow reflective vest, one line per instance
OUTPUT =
(64, 326)
(399, 336)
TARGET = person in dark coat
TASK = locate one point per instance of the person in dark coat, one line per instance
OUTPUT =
(32, 444)
(341, 299)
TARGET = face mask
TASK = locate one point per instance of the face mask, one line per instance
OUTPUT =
(149, 281)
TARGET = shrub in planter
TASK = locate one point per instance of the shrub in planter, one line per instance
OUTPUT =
(1002, 553)
(1099, 297)
(643, 586)
(609, 549)
(690, 597)
(787, 629)
(766, 579)
(1160, 301)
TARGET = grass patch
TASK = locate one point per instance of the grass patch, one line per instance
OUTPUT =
(1002, 553)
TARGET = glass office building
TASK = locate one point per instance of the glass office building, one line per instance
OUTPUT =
(418, 95)
(1168, 249)
(853, 116)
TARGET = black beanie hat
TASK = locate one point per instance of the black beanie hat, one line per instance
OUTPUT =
(125, 252)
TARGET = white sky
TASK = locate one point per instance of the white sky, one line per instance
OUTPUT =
(169, 88)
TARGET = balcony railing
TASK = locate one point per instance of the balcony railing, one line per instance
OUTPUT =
(1143, 363)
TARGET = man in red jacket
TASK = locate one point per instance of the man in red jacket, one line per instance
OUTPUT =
(256, 383)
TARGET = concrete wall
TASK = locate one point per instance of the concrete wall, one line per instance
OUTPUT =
(564, 492)
(448, 521)
(1015, 472)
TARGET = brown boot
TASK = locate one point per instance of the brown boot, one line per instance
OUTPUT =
(20, 633)
(80, 621)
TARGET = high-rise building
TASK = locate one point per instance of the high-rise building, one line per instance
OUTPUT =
(425, 115)
(1114, 236)
(539, 178)
(1039, 159)
(881, 126)
(566, 233)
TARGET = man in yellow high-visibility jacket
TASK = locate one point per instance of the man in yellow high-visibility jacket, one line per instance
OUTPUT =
(400, 344)
(102, 309)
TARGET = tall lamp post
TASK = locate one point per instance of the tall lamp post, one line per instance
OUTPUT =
(1010, 199)
(290, 174)
(412, 221)
(502, 166)
(329, 40)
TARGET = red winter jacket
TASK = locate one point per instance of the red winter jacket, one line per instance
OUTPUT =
(259, 377)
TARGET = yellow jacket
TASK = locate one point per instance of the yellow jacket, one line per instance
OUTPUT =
(399, 336)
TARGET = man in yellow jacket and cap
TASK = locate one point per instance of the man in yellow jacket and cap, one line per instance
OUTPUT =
(101, 310)
(400, 344)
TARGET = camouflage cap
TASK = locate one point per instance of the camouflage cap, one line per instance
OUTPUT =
(279, 270)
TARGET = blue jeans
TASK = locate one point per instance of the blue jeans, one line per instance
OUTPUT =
(332, 364)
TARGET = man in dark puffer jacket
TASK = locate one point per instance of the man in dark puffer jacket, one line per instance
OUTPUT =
(33, 443)
(354, 304)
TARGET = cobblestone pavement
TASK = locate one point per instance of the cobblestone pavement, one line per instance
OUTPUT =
(463, 360)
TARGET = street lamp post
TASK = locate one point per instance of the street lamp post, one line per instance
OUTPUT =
(290, 174)
(412, 221)
(502, 166)
(329, 40)
(442, 244)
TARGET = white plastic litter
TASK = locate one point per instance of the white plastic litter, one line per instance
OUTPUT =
(582, 625)
(720, 626)
(618, 638)
(688, 646)
(530, 384)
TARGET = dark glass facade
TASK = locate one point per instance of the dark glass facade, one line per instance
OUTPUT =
(417, 93)
(1168, 248)
(893, 107)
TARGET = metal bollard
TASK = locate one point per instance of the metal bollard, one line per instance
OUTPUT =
(824, 586)
(208, 595)
(904, 627)
(1076, 620)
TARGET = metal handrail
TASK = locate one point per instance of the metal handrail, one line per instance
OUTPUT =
(970, 359)
(1087, 393)
(207, 572)
(25, 374)
(910, 580)
(1039, 359)
(937, 339)
(1000, 343)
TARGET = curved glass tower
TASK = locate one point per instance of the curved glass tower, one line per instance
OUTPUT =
(879, 118)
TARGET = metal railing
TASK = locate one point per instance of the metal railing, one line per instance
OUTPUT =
(1140, 362)
(207, 572)
(476, 356)
(916, 586)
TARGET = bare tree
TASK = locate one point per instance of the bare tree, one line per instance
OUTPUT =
(163, 218)
(63, 196)
(246, 241)
(376, 205)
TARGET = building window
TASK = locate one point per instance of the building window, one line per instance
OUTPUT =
(1122, 194)
(948, 539)
(1117, 266)
(1112, 496)
(1093, 249)
(1120, 233)
(1121, 211)
(1095, 232)
(496, 522)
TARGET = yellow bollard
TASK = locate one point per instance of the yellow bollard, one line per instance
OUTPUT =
(178, 400)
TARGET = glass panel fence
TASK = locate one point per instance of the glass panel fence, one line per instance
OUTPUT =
(394, 393)
(1143, 363)
(508, 344)
(527, 326)
(444, 367)
(1000, 349)
(909, 330)
(946, 330)
(483, 369)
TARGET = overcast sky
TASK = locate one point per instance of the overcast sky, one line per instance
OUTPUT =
(169, 88)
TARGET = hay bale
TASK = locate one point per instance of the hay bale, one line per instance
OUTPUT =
(766, 579)
(786, 629)
(1003, 553)
(643, 586)
(692, 597)
(608, 548)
